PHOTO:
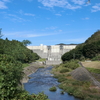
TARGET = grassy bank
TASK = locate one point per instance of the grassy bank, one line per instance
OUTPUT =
(81, 89)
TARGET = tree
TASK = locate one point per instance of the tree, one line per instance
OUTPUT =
(26, 42)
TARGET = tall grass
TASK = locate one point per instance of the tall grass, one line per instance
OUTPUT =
(80, 89)
(93, 70)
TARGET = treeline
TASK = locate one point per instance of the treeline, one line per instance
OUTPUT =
(90, 49)
(17, 50)
(12, 56)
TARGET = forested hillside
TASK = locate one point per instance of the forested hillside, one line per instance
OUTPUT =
(94, 38)
(88, 50)
(17, 50)
(12, 55)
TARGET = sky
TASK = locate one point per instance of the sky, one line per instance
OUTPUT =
(49, 22)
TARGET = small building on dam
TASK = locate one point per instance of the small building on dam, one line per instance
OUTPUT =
(52, 53)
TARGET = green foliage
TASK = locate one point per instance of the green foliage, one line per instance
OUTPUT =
(12, 55)
(68, 55)
(53, 88)
(96, 58)
(23, 95)
(74, 53)
(10, 76)
(17, 50)
(26, 42)
(64, 70)
(93, 70)
(42, 59)
(61, 78)
(80, 89)
(75, 87)
(89, 49)
(73, 64)
(94, 38)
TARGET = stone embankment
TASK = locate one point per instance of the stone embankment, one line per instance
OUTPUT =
(83, 74)
(29, 70)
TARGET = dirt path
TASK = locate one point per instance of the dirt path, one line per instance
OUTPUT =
(83, 74)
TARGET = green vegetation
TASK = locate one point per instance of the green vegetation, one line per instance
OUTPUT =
(25, 65)
(41, 59)
(81, 89)
(93, 70)
(41, 67)
(53, 88)
(72, 64)
(13, 57)
(17, 50)
(88, 50)
(64, 70)
(26, 42)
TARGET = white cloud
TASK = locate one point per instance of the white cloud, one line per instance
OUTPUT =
(86, 18)
(37, 35)
(52, 3)
(75, 4)
(69, 41)
(51, 28)
(26, 35)
(67, 24)
(58, 14)
(69, 6)
(78, 40)
(2, 5)
(15, 18)
(29, 14)
(96, 7)
(79, 2)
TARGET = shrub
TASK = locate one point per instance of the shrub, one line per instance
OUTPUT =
(10, 76)
(18, 51)
(53, 88)
(64, 70)
(71, 64)
(78, 93)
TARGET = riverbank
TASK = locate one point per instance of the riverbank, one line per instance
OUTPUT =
(33, 67)
(83, 89)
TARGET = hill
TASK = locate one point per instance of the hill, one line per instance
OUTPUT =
(94, 38)
(90, 49)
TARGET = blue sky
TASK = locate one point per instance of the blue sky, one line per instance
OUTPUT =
(49, 22)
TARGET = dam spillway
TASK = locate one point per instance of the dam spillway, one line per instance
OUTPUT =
(51, 53)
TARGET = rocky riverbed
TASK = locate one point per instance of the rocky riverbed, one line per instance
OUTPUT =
(29, 70)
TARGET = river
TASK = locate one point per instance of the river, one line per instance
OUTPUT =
(41, 81)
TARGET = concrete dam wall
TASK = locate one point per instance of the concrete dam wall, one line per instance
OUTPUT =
(52, 53)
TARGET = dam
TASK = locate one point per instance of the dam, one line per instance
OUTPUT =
(52, 53)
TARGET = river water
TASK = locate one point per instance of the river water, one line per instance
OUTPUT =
(41, 81)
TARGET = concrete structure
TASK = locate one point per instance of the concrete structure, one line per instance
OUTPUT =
(51, 53)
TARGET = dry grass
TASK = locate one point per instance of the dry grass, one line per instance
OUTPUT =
(91, 64)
